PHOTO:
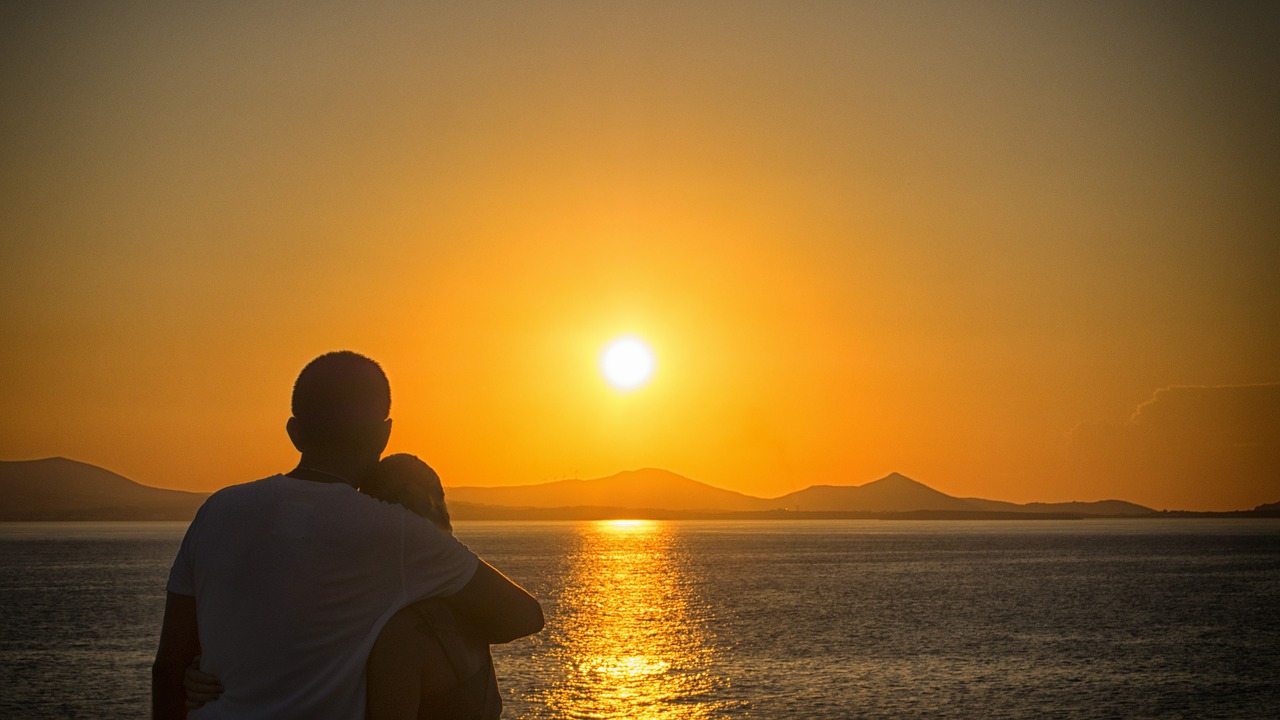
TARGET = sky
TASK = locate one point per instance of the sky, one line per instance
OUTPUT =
(1020, 251)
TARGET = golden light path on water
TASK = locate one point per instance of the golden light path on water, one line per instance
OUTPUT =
(631, 638)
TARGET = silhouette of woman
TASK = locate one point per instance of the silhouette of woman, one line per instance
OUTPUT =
(425, 664)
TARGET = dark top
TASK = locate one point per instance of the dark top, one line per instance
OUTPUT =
(476, 695)
(424, 651)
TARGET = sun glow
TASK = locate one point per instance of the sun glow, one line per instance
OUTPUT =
(624, 526)
(627, 363)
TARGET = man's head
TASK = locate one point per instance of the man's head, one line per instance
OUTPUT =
(341, 401)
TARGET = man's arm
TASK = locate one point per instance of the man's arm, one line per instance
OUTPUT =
(495, 608)
(179, 643)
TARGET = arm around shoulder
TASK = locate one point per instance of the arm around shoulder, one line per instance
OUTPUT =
(495, 607)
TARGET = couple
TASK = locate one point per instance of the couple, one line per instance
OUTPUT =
(284, 586)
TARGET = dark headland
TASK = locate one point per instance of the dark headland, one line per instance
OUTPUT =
(62, 489)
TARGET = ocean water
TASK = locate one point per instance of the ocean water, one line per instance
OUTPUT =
(754, 619)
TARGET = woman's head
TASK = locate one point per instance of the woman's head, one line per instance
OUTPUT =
(405, 480)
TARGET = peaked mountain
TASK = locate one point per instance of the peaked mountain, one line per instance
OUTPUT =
(647, 488)
(62, 489)
(898, 493)
(892, 493)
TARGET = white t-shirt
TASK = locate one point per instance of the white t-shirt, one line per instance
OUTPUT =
(293, 580)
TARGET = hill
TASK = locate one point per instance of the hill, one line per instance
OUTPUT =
(648, 488)
(892, 493)
(62, 489)
(896, 493)
(660, 491)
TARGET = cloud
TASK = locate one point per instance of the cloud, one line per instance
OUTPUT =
(1188, 447)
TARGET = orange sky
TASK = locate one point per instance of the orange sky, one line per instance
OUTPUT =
(968, 242)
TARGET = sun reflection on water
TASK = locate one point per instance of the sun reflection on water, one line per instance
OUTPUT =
(631, 637)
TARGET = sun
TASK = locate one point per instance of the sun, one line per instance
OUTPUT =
(627, 363)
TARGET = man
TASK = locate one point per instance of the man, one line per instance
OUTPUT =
(281, 585)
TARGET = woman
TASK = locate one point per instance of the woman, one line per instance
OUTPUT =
(425, 664)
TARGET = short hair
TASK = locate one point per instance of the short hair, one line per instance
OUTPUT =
(340, 394)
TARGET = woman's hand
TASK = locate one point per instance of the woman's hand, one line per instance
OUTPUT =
(201, 687)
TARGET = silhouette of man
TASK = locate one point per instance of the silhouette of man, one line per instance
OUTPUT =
(281, 585)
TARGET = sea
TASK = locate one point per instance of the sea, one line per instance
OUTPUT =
(1151, 618)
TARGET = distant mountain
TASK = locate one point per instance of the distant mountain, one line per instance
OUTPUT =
(62, 489)
(896, 493)
(892, 493)
(660, 490)
(648, 488)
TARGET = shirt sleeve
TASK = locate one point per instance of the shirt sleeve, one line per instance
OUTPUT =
(434, 564)
(182, 577)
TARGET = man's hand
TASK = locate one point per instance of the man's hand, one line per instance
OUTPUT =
(201, 687)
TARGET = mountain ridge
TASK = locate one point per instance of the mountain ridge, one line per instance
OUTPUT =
(893, 493)
(63, 489)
